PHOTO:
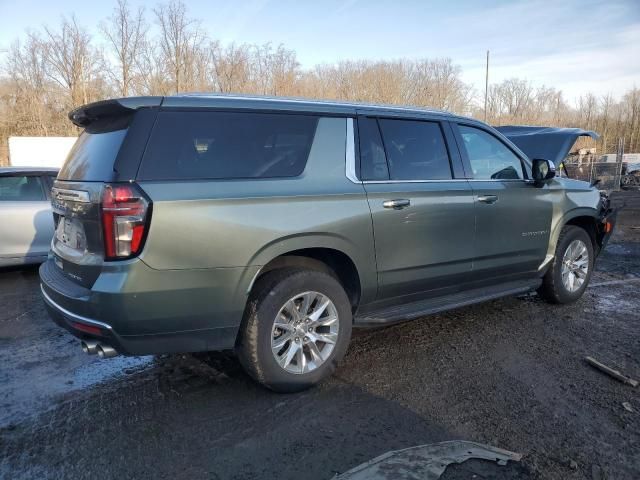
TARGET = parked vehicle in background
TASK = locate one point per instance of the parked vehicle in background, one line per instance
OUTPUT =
(272, 226)
(26, 221)
(630, 176)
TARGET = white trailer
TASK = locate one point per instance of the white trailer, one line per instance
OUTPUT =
(39, 151)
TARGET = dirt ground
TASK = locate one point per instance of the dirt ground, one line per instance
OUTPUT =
(509, 373)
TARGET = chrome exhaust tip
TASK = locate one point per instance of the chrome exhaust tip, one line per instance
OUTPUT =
(105, 351)
(89, 347)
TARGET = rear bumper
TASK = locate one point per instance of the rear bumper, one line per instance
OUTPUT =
(141, 311)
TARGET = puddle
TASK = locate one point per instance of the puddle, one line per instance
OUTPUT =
(609, 303)
(33, 387)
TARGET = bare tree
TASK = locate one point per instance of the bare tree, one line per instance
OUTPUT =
(180, 41)
(437, 84)
(154, 76)
(231, 67)
(72, 61)
(587, 106)
(274, 71)
(605, 110)
(125, 32)
(54, 69)
(26, 69)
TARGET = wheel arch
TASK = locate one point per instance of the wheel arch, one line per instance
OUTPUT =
(583, 217)
(330, 260)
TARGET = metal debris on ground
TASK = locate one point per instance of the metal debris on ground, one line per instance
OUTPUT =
(426, 462)
(627, 406)
(611, 372)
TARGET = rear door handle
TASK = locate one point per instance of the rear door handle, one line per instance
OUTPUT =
(488, 199)
(396, 204)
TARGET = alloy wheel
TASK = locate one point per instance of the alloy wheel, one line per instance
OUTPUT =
(305, 332)
(575, 265)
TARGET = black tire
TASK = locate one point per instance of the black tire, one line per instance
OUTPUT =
(553, 289)
(269, 295)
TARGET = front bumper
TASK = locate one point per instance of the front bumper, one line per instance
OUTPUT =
(606, 225)
(141, 311)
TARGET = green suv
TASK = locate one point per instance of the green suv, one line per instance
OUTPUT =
(273, 226)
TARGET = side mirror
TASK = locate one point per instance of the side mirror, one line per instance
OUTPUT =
(542, 170)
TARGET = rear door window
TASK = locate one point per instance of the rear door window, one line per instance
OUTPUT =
(21, 189)
(416, 150)
(227, 145)
(490, 158)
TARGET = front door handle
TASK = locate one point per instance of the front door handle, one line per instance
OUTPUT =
(490, 199)
(397, 204)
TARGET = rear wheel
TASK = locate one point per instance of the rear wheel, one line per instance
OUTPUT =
(297, 327)
(568, 277)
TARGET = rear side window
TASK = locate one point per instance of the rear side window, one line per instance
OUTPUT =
(226, 145)
(373, 161)
(21, 189)
(415, 150)
(93, 155)
(490, 158)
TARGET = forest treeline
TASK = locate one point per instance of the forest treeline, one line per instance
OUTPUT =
(50, 70)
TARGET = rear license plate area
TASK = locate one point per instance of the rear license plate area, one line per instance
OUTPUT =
(70, 233)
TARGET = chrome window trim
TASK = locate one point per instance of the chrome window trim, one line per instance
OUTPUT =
(522, 180)
(350, 153)
(415, 181)
(72, 315)
(446, 180)
(350, 166)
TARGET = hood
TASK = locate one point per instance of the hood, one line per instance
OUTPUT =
(545, 142)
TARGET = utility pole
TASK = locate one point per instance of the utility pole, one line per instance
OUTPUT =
(486, 88)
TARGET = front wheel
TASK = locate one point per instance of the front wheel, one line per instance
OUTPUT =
(568, 277)
(297, 327)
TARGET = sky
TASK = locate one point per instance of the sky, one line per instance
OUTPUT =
(577, 46)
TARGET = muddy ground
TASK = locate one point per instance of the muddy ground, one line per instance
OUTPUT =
(509, 373)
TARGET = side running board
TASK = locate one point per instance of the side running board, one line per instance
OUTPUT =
(409, 311)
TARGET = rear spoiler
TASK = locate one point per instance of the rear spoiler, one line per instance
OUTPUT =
(85, 115)
(549, 143)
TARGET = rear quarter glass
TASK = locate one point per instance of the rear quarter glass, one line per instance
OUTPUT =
(227, 145)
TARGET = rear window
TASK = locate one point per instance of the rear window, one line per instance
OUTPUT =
(226, 145)
(21, 189)
(92, 156)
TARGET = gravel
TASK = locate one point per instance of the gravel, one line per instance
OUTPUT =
(509, 373)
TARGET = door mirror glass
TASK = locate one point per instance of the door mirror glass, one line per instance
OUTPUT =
(542, 170)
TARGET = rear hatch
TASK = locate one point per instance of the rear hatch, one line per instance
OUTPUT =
(99, 213)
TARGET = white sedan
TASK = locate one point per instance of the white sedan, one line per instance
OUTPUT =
(26, 221)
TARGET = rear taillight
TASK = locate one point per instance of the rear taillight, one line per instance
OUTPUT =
(125, 214)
